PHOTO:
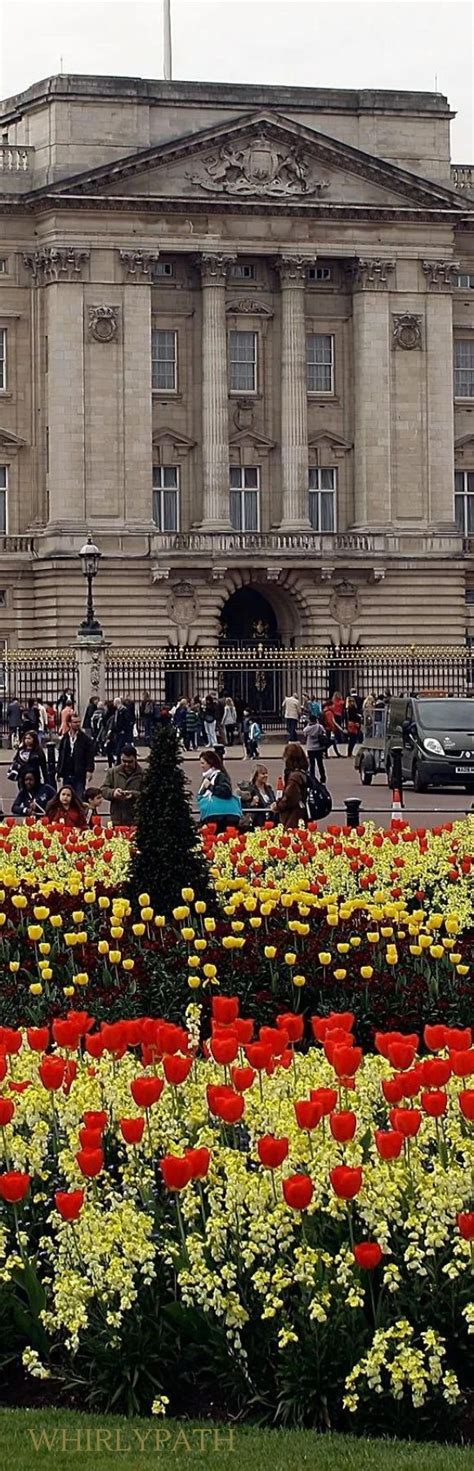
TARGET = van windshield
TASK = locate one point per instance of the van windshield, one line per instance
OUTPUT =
(447, 714)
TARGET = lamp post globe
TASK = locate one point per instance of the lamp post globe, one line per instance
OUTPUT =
(90, 557)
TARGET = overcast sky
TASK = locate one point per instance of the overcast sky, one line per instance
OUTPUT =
(416, 44)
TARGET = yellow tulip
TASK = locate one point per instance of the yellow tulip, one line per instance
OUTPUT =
(187, 932)
(200, 906)
(324, 957)
(90, 896)
(415, 950)
(269, 952)
(425, 942)
(355, 941)
(36, 989)
(237, 926)
(56, 921)
(160, 921)
(194, 982)
(14, 966)
(103, 901)
(367, 972)
(68, 991)
(209, 971)
(451, 924)
(340, 975)
(82, 978)
(128, 963)
(78, 916)
(462, 970)
(210, 925)
(436, 951)
(143, 899)
(116, 931)
(299, 980)
(138, 930)
(342, 947)
(19, 901)
(181, 912)
(47, 975)
(434, 922)
(147, 914)
(255, 922)
(373, 937)
(290, 958)
(200, 944)
(44, 948)
(35, 932)
(455, 957)
(40, 912)
(103, 947)
(115, 957)
(386, 930)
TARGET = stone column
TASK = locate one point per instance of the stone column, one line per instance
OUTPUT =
(215, 409)
(372, 416)
(59, 271)
(294, 394)
(439, 385)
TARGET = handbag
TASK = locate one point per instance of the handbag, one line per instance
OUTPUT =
(211, 806)
(318, 800)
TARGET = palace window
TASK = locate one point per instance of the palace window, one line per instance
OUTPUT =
(245, 498)
(166, 497)
(319, 273)
(162, 268)
(242, 271)
(3, 499)
(322, 498)
(464, 501)
(465, 281)
(320, 362)
(3, 357)
(464, 368)
(3, 265)
(164, 361)
(243, 362)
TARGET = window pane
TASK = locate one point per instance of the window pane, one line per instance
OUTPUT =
(251, 510)
(470, 482)
(464, 368)
(459, 512)
(170, 476)
(236, 509)
(314, 510)
(243, 361)
(470, 515)
(170, 510)
(327, 511)
(459, 482)
(327, 479)
(319, 350)
(251, 478)
(3, 353)
(157, 477)
(163, 349)
(235, 477)
(157, 509)
(313, 477)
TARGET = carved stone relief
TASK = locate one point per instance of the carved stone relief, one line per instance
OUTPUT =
(56, 263)
(406, 331)
(139, 264)
(344, 609)
(372, 274)
(263, 167)
(103, 322)
(183, 612)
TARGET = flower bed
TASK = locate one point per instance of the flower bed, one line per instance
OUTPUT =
(292, 1231)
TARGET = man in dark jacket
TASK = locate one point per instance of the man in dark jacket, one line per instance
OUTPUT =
(76, 757)
(122, 787)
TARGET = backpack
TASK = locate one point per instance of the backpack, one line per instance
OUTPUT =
(255, 731)
(318, 800)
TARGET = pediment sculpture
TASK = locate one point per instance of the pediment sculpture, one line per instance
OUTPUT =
(262, 167)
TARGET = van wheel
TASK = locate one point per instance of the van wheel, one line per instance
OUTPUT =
(418, 784)
(366, 777)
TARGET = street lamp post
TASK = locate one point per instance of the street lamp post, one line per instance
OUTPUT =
(90, 558)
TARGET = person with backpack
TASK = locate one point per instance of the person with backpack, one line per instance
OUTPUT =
(291, 807)
(316, 744)
(254, 735)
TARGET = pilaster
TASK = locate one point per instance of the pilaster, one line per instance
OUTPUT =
(215, 419)
(294, 393)
(372, 409)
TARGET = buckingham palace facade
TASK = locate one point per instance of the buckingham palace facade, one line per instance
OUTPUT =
(236, 344)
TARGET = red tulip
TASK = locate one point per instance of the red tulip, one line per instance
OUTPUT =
(171, 1038)
(346, 1181)
(95, 1118)
(3, 1069)
(298, 1191)
(10, 1040)
(65, 1033)
(346, 1061)
(462, 1063)
(230, 1108)
(90, 1138)
(224, 1048)
(242, 1078)
(146, 1091)
(176, 1171)
(459, 1038)
(465, 1221)
(51, 1072)
(258, 1055)
(291, 1023)
(368, 1255)
(275, 1038)
(326, 1098)
(94, 1045)
(14, 1185)
(336, 1038)
(434, 1103)
(225, 1009)
(435, 1038)
(411, 1082)
(69, 1203)
(389, 1143)
(343, 1126)
(7, 1109)
(401, 1055)
(199, 1160)
(132, 1130)
(406, 1121)
(243, 1028)
(271, 1151)
(176, 1069)
(436, 1072)
(90, 1162)
(466, 1103)
(38, 1038)
(392, 1090)
(308, 1114)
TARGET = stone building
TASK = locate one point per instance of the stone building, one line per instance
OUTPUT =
(236, 343)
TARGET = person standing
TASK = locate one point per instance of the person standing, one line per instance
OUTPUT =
(291, 711)
(334, 732)
(29, 757)
(191, 727)
(210, 720)
(229, 720)
(147, 717)
(76, 757)
(291, 806)
(122, 787)
(90, 712)
(262, 795)
(353, 724)
(316, 745)
(13, 720)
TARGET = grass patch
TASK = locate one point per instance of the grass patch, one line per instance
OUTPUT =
(59, 1440)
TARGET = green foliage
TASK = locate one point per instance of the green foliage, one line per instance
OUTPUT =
(168, 853)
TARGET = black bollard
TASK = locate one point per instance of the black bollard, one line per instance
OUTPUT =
(396, 779)
(352, 806)
(51, 762)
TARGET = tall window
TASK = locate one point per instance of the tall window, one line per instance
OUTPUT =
(243, 362)
(164, 353)
(244, 498)
(3, 357)
(322, 498)
(463, 368)
(464, 501)
(166, 497)
(3, 500)
(320, 362)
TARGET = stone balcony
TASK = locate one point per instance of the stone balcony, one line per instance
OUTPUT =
(292, 545)
(18, 546)
(16, 166)
(462, 177)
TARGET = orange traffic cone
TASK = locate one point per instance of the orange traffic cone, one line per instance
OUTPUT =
(397, 804)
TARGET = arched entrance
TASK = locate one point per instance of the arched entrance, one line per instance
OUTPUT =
(248, 620)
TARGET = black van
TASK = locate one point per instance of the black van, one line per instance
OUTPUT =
(437, 738)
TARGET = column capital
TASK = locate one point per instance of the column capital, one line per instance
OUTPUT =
(292, 269)
(139, 264)
(371, 273)
(214, 267)
(55, 263)
(440, 274)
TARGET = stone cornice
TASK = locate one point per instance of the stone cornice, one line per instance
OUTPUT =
(194, 210)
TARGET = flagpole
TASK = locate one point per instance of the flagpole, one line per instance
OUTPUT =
(167, 46)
